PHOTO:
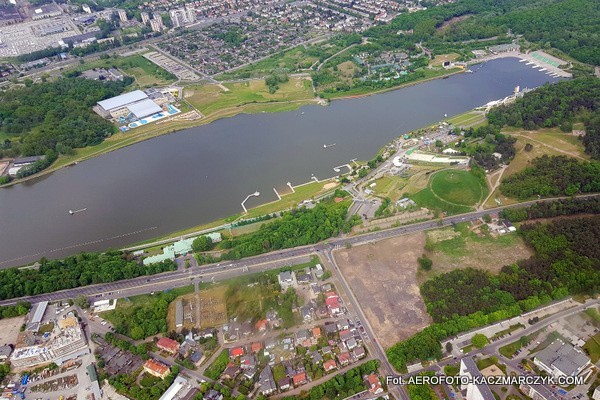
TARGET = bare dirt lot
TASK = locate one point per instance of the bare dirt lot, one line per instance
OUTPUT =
(383, 277)
(201, 310)
(9, 330)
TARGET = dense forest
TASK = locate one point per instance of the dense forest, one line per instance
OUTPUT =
(567, 260)
(297, 227)
(80, 270)
(55, 116)
(572, 26)
(557, 105)
(553, 176)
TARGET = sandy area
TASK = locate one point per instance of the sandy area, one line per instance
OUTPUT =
(9, 330)
(383, 278)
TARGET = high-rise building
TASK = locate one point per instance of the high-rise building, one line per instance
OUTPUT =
(145, 17)
(122, 15)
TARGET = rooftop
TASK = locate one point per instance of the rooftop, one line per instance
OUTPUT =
(122, 100)
(563, 357)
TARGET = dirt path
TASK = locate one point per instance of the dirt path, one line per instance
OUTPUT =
(568, 153)
(493, 186)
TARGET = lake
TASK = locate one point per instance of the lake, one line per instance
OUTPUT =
(202, 174)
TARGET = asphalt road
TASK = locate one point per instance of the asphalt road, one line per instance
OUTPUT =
(269, 261)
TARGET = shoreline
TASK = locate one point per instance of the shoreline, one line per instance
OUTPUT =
(220, 114)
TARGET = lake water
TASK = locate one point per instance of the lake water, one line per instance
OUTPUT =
(202, 174)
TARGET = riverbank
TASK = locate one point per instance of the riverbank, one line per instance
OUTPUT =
(146, 132)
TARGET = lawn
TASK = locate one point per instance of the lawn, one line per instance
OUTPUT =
(145, 72)
(390, 186)
(216, 368)
(592, 347)
(509, 350)
(460, 188)
(212, 98)
(426, 198)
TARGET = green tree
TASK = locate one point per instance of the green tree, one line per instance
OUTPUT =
(82, 301)
(479, 340)
(202, 243)
(425, 263)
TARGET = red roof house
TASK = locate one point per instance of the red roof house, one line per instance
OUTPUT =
(237, 352)
(167, 344)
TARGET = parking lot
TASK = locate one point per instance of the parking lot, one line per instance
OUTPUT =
(27, 37)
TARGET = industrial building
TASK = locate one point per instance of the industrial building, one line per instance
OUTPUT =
(176, 390)
(134, 103)
(37, 314)
(561, 359)
(46, 11)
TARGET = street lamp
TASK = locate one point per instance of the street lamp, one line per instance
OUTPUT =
(255, 194)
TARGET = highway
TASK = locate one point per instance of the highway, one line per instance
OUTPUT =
(264, 262)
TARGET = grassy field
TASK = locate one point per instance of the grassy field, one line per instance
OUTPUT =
(142, 70)
(293, 60)
(592, 347)
(212, 98)
(452, 191)
(390, 186)
(463, 246)
(439, 59)
(457, 187)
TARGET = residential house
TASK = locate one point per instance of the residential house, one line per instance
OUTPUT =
(374, 384)
(343, 324)
(236, 352)
(168, 345)
(248, 361)
(284, 383)
(300, 379)
(330, 328)
(301, 335)
(346, 335)
(316, 332)
(156, 368)
(351, 343)
(256, 347)
(344, 358)
(316, 357)
(286, 279)
(329, 365)
(333, 305)
(261, 325)
(5, 351)
(231, 371)
(359, 353)
(212, 394)
(266, 382)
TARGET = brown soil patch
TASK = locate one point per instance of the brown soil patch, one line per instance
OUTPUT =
(383, 277)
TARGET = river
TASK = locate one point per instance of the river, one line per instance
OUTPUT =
(202, 174)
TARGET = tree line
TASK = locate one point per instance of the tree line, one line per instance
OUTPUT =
(80, 270)
(294, 228)
(553, 176)
(550, 209)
